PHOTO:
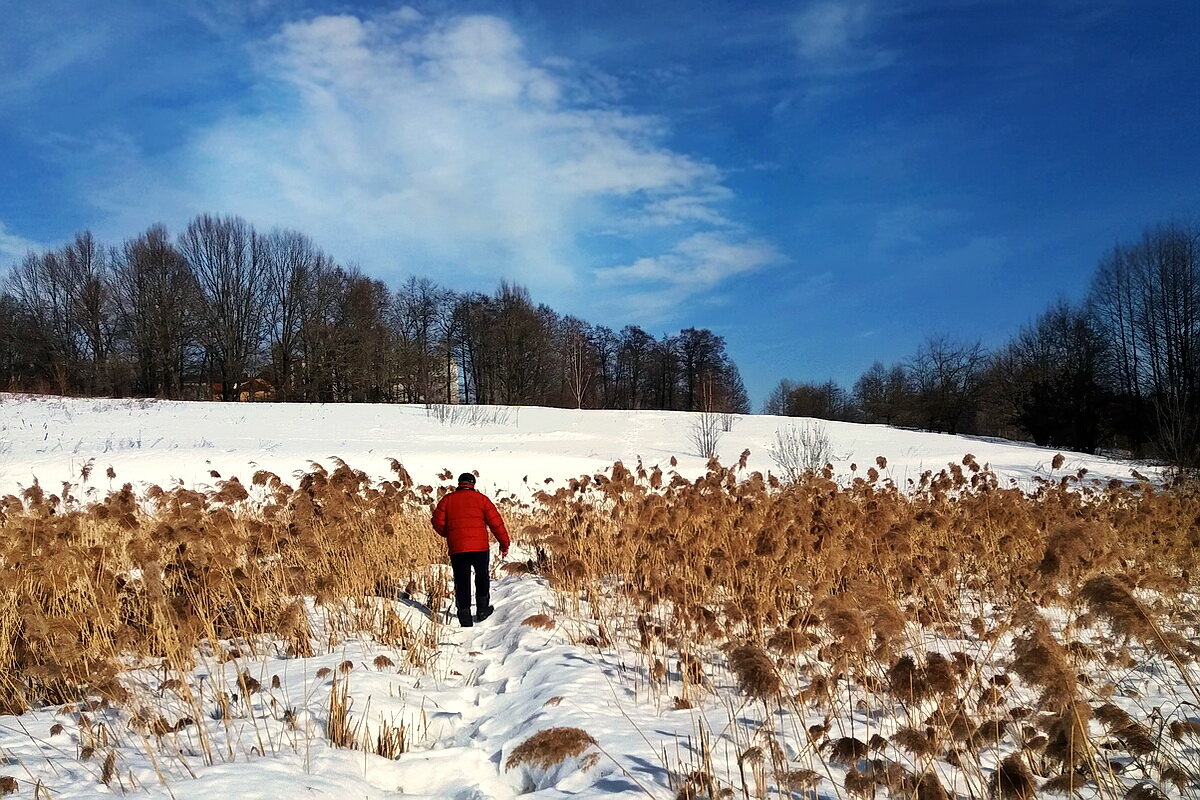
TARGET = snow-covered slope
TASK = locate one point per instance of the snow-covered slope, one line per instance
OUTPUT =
(51, 439)
(484, 691)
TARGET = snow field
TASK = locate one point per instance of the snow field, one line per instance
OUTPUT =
(466, 699)
(514, 449)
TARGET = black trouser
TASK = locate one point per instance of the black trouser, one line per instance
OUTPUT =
(463, 563)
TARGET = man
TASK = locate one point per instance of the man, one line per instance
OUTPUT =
(463, 518)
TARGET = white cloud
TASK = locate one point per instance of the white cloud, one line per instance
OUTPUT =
(832, 36)
(229, 17)
(36, 47)
(12, 247)
(436, 146)
(694, 266)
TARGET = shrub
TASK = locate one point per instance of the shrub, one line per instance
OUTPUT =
(801, 448)
(705, 433)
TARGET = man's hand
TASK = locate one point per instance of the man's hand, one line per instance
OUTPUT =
(504, 552)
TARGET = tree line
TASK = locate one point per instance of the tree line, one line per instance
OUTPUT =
(1119, 370)
(203, 312)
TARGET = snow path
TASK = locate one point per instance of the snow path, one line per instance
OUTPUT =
(488, 690)
(517, 680)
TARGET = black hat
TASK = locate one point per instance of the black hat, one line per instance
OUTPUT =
(466, 477)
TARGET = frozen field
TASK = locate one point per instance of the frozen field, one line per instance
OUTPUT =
(463, 702)
(51, 439)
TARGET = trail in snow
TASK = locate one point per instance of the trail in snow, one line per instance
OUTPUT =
(489, 689)
(507, 681)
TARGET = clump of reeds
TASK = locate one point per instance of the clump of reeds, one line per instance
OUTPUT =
(1041, 660)
(1134, 737)
(155, 575)
(1111, 600)
(1012, 780)
(551, 746)
(906, 680)
(845, 584)
(754, 670)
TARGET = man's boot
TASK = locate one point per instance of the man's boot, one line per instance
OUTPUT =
(464, 618)
(484, 614)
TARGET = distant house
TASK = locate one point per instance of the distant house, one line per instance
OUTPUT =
(444, 388)
(247, 391)
(255, 389)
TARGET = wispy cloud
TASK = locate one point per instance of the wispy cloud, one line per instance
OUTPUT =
(834, 36)
(657, 286)
(230, 17)
(437, 145)
(13, 247)
(34, 49)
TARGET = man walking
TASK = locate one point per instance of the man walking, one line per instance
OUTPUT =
(463, 518)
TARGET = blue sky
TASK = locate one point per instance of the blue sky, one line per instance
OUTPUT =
(823, 183)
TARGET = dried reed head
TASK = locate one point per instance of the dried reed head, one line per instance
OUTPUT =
(1069, 742)
(921, 744)
(550, 747)
(1181, 728)
(1012, 780)
(1110, 599)
(848, 750)
(940, 674)
(1146, 790)
(1040, 659)
(755, 672)
(798, 780)
(906, 680)
(1135, 738)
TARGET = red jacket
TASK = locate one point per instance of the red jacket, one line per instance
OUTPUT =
(463, 518)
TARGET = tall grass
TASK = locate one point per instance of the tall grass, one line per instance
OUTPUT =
(955, 630)
(88, 589)
(952, 636)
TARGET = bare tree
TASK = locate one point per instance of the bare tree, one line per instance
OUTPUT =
(156, 297)
(883, 394)
(577, 360)
(293, 264)
(228, 259)
(14, 358)
(632, 366)
(420, 315)
(88, 270)
(777, 401)
(705, 433)
(1145, 300)
(1049, 376)
(364, 366)
(317, 336)
(946, 378)
(44, 297)
(66, 296)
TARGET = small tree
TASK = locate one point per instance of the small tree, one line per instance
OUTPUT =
(799, 449)
(705, 433)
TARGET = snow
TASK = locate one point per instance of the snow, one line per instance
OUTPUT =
(491, 687)
(148, 441)
(486, 689)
